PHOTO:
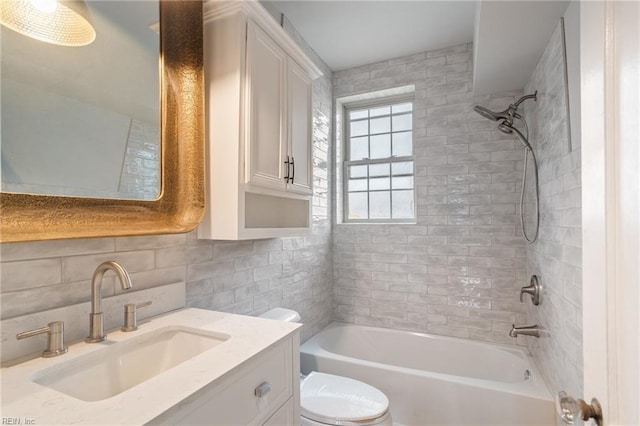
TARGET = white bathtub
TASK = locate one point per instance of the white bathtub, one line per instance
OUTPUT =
(435, 380)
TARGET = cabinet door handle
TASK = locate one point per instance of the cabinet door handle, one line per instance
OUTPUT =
(286, 178)
(262, 389)
(293, 169)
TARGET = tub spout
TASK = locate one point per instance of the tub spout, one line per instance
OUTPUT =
(531, 330)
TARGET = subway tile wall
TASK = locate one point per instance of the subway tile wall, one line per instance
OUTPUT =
(557, 255)
(458, 270)
(247, 277)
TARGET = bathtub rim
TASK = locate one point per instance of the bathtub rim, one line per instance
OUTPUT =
(536, 387)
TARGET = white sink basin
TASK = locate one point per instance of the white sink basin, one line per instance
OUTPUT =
(112, 370)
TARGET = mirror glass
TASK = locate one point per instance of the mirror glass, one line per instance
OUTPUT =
(85, 121)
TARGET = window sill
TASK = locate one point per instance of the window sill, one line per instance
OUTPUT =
(375, 223)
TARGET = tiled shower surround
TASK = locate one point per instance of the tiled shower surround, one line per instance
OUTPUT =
(458, 270)
(557, 256)
(245, 277)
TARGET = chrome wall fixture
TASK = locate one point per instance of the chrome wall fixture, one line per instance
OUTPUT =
(505, 120)
(528, 330)
(534, 289)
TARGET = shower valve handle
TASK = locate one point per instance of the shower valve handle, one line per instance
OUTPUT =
(534, 289)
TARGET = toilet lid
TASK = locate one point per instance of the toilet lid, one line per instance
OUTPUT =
(327, 398)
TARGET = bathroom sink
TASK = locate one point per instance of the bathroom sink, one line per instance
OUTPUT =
(114, 369)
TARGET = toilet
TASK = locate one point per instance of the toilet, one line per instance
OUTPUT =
(327, 399)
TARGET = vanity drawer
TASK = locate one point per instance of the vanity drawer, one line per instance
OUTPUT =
(248, 395)
(284, 416)
(270, 373)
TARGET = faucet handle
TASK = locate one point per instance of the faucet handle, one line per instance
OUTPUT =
(130, 315)
(55, 344)
(534, 289)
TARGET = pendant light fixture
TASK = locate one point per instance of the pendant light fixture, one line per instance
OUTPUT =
(65, 23)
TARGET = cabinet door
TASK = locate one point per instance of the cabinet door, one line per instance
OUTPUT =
(266, 147)
(300, 128)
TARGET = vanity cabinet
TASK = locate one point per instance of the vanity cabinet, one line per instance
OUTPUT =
(262, 391)
(259, 126)
(207, 368)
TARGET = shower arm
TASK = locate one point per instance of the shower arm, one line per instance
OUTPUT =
(512, 111)
(533, 96)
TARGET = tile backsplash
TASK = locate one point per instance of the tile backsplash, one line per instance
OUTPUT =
(457, 271)
(246, 277)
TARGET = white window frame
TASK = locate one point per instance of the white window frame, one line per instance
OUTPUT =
(346, 143)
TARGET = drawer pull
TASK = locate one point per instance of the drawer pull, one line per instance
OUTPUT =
(262, 389)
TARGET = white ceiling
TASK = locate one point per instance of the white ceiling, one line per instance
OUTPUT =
(509, 36)
(347, 34)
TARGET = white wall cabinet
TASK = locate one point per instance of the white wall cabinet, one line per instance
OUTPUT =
(259, 133)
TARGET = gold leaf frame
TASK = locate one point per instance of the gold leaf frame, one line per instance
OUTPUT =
(180, 206)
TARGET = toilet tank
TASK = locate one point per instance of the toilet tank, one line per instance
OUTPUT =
(282, 314)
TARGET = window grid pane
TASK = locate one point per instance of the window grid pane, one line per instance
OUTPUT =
(402, 204)
(358, 114)
(380, 146)
(359, 148)
(380, 205)
(402, 144)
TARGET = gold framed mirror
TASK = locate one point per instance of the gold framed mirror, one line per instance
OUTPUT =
(180, 205)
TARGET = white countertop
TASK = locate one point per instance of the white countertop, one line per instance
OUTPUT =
(32, 403)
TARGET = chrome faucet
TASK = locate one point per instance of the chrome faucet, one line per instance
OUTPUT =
(96, 317)
(531, 330)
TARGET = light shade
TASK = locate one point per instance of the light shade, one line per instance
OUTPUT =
(53, 22)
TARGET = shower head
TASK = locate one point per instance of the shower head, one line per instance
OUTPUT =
(508, 114)
(493, 116)
(507, 128)
(505, 118)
